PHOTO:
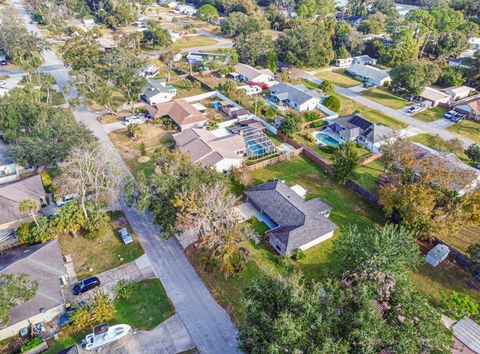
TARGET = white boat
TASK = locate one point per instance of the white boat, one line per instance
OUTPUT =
(104, 334)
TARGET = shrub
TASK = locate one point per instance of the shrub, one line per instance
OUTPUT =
(312, 116)
(318, 124)
(309, 136)
(124, 288)
(328, 149)
(32, 343)
(143, 150)
(457, 305)
(299, 255)
(333, 103)
(47, 181)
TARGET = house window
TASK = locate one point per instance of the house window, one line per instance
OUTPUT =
(277, 248)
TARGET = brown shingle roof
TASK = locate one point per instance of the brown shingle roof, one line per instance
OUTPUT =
(181, 111)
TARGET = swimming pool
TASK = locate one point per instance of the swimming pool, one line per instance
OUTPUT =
(326, 139)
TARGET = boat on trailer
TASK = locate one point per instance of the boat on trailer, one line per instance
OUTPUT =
(104, 334)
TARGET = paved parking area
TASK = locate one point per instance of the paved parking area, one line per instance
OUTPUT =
(442, 123)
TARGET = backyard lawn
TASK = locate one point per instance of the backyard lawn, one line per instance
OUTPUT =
(431, 115)
(153, 136)
(184, 90)
(367, 175)
(385, 97)
(468, 129)
(193, 41)
(348, 106)
(146, 307)
(102, 253)
(338, 77)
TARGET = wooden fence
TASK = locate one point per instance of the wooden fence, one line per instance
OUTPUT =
(283, 157)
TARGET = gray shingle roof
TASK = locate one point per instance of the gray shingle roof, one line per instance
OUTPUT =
(154, 87)
(356, 125)
(43, 263)
(295, 93)
(299, 221)
(369, 72)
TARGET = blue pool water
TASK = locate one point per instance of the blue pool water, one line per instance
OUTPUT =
(271, 104)
(326, 139)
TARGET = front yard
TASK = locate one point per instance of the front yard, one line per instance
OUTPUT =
(146, 307)
(193, 41)
(152, 136)
(385, 97)
(105, 252)
(430, 115)
(348, 106)
(338, 77)
(468, 129)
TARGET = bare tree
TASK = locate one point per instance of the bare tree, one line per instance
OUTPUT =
(92, 173)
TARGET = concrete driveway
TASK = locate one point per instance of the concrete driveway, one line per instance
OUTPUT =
(137, 270)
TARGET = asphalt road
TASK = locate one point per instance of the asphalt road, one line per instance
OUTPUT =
(208, 324)
(432, 128)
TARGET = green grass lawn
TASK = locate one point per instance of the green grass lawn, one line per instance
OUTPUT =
(146, 307)
(193, 41)
(102, 253)
(431, 115)
(338, 77)
(385, 97)
(367, 175)
(468, 129)
(187, 90)
(348, 106)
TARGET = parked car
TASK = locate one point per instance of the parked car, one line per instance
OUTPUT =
(132, 119)
(368, 85)
(449, 114)
(477, 167)
(125, 236)
(414, 109)
(457, 117)
(67, 199)
(85, 285)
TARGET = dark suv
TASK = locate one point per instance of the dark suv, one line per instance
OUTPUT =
(85, 285)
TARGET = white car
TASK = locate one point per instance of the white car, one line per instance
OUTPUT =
(414, 109)
(133, 119)
(67, 199)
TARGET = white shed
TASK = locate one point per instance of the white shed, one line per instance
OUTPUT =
(437, 254)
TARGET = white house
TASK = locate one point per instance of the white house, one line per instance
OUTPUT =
(42, 263)
(248, 73)
(459, 92)
(295, 223)
(202, 146)
(150, 72)
(157, 91)
(433, 97)
(250, 90)
(174, 35)
(298, 97)
(370, 74)
(186, 9)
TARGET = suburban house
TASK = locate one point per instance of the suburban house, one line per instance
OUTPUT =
(247, 73)
(470, 107)
(205, 58)
(370, 74)
(295, 223)
(174, 36)
(433, 97)
(8, 168)
(13, 193)
(42, 263)
(459, 92)
(88, 23)
(361, 59)
(357, 128)
(183, 113)
(222, 153)
(157, 91)
(186, 9)
(466, 179)
(296, 96)
(107, 44)
(250, 90)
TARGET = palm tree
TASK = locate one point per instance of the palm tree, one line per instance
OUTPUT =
(134, 131)
(29, 206)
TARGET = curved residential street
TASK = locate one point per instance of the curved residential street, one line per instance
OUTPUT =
(431, 128)
(208, 324)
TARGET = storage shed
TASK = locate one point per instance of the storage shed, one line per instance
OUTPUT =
(437, 254)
